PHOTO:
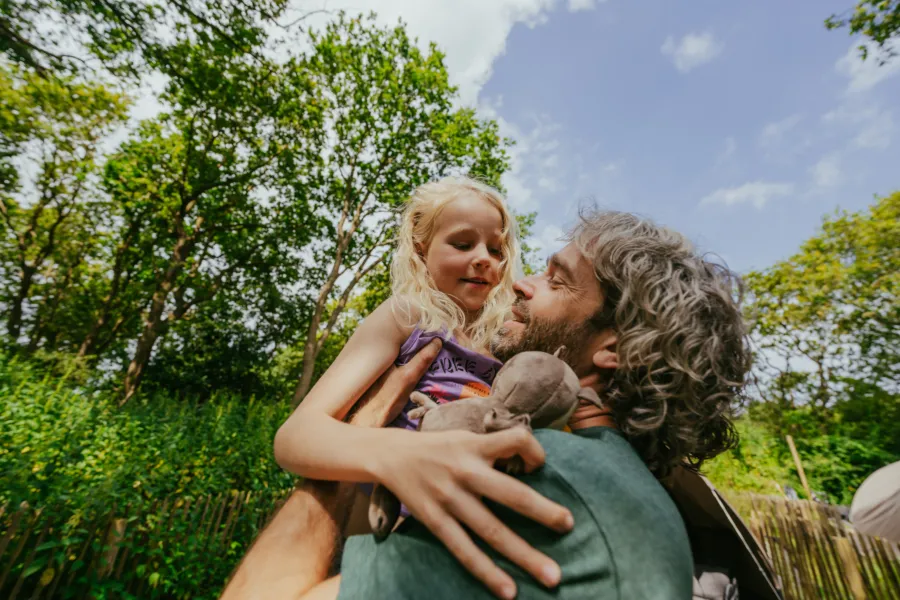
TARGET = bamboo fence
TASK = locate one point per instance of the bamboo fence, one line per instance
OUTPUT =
(186, 549)
(163, 549)
(816, 554)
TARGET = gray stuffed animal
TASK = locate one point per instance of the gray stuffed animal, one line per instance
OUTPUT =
(533, 390)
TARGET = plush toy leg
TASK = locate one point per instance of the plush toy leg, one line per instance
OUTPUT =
(384, 510)
(417, 413)
(424, 405)
(422, 400)
(497, 421)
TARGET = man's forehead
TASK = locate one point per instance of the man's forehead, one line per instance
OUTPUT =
(571, 260)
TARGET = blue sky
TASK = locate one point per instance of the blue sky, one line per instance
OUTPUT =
(742, 136)
(740, 124)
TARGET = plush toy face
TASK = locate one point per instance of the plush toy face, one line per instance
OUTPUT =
(537, 384)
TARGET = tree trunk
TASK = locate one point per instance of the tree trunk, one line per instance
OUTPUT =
(14, 322)
(309, 363)
(154, 324)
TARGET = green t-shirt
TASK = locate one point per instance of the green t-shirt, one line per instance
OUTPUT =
(629, 540)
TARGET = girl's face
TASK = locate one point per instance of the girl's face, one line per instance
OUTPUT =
(465, 251)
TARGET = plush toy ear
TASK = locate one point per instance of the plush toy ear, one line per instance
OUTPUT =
(559, 351)
(590, 395)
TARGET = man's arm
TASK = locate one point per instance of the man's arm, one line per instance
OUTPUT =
(295, 551)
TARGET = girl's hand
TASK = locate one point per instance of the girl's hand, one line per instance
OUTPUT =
(442, 476)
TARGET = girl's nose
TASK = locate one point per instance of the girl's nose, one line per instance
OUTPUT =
(482, 258)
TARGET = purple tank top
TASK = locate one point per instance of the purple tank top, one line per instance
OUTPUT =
(457, 372)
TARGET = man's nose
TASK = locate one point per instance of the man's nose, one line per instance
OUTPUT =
(524, 288)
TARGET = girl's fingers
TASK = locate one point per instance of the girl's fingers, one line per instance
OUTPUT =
(512, 442)
(514, 494)
(446, 528)
(471, 511)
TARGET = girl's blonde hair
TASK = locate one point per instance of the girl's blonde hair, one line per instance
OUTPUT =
(411, 283)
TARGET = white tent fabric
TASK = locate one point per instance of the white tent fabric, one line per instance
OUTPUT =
(876, 505)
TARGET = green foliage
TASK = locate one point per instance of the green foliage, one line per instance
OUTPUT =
(173, 548)
(71, 445)
(530, 261)
(878, 20)
(830, 315)
(49, 133)
(759, 463)
(223, 240)
(835, 464)
(826, 324)
(124, 34)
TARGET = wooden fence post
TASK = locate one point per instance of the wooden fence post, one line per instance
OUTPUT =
(851, 568)
(790, 441)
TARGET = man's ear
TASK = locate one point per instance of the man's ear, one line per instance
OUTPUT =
(605, 351)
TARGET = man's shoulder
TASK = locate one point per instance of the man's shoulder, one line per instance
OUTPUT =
(628, 506)
(607, 473)
(628, 541)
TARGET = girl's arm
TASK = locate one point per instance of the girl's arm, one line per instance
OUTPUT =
(442, 477)
(314, 442)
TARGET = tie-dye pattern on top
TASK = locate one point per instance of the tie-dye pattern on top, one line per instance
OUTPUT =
(457, 372)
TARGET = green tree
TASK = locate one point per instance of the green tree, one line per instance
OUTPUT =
(194, 184)
(827, 319)
(125, 35)
(50, 128)
(387, 125)
(878, 20)
(530, 261)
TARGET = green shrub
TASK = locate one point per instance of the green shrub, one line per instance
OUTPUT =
(61, 443)
(762, 462)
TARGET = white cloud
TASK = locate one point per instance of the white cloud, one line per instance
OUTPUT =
(577, 5)
(873, 127)
(876, 133)
(550, 240)
(534, 160)
(471, 33)
(773, 133)
(827, 172)
(757, 193)
(692, 50)
(864, 74)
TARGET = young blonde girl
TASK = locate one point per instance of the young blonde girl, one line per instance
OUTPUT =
(452, 278)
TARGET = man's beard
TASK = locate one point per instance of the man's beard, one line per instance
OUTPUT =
(543, 335)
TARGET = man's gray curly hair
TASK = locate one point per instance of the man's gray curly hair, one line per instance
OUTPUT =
(681, 343)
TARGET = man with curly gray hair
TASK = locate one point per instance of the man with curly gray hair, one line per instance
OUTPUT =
(672, 317)
(657, 330)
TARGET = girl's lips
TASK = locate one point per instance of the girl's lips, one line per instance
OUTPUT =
(476, 281)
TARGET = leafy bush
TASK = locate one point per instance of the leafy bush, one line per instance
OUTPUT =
(834, 464)
(61, 443)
